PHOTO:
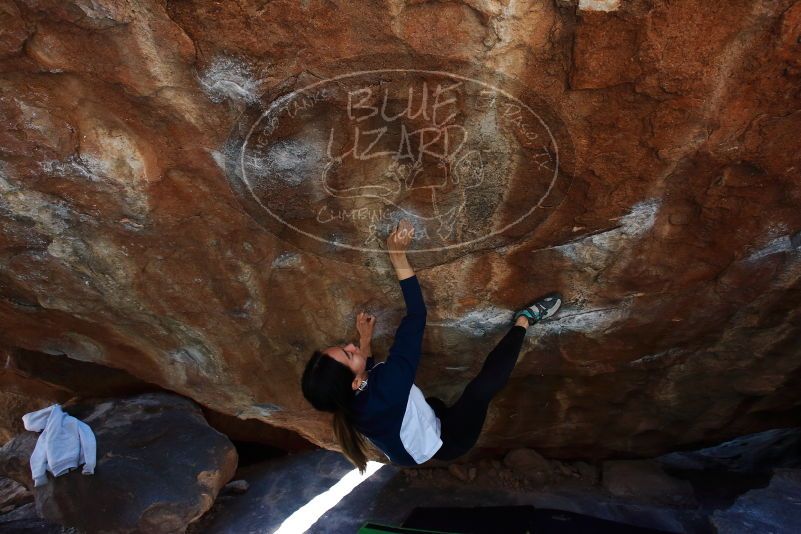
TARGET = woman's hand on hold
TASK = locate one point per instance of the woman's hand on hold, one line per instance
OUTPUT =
(398, 241)
(365, 323)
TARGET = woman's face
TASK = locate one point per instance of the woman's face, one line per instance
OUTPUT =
(351, 356)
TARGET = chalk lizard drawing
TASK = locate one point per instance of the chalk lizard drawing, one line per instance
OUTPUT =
(401, 177)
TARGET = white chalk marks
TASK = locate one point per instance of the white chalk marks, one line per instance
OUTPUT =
(228, 78)
(335, 164)
(599, 5)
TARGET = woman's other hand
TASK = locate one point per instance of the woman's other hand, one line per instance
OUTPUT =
(365, 324)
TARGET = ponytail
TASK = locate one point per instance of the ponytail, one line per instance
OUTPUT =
(350, 440)
(326, 384)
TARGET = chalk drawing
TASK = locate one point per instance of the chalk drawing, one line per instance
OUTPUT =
(363, 149)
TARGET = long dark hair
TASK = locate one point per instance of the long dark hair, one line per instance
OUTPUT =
(326, 384)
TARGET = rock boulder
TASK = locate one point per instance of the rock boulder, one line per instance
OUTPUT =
(159, 467)
(642, 157)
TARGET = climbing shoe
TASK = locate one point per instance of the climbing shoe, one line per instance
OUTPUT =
(540, 309)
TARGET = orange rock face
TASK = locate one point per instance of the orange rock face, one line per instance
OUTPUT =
(181, 199)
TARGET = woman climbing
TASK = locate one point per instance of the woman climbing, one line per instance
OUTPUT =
(380, 401)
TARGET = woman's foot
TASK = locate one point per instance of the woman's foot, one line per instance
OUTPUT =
(540, 309)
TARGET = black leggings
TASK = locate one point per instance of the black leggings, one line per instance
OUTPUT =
(462, 422)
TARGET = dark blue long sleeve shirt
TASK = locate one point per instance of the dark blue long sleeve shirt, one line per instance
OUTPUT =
(391, 411)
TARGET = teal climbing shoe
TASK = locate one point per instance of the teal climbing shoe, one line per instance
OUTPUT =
(540, 309)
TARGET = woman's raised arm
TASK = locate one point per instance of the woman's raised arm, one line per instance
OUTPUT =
(404, 354)
(397, 243)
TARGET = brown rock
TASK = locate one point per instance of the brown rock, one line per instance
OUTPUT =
(129, 240)
(142, 441)
(13, 494)
(645, 480)
(15, 458)
(526, 461)
(563, 469)
(15, 30)
(48, 378)
(537, 478)
(459, 472)
(587, 472)
(773, 508)
(12, 408)
(237, 486)
(256, 431)
(605, 51)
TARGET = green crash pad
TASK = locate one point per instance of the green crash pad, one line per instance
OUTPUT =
(375, 528)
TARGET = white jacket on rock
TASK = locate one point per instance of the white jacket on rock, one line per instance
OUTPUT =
(65, 443)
